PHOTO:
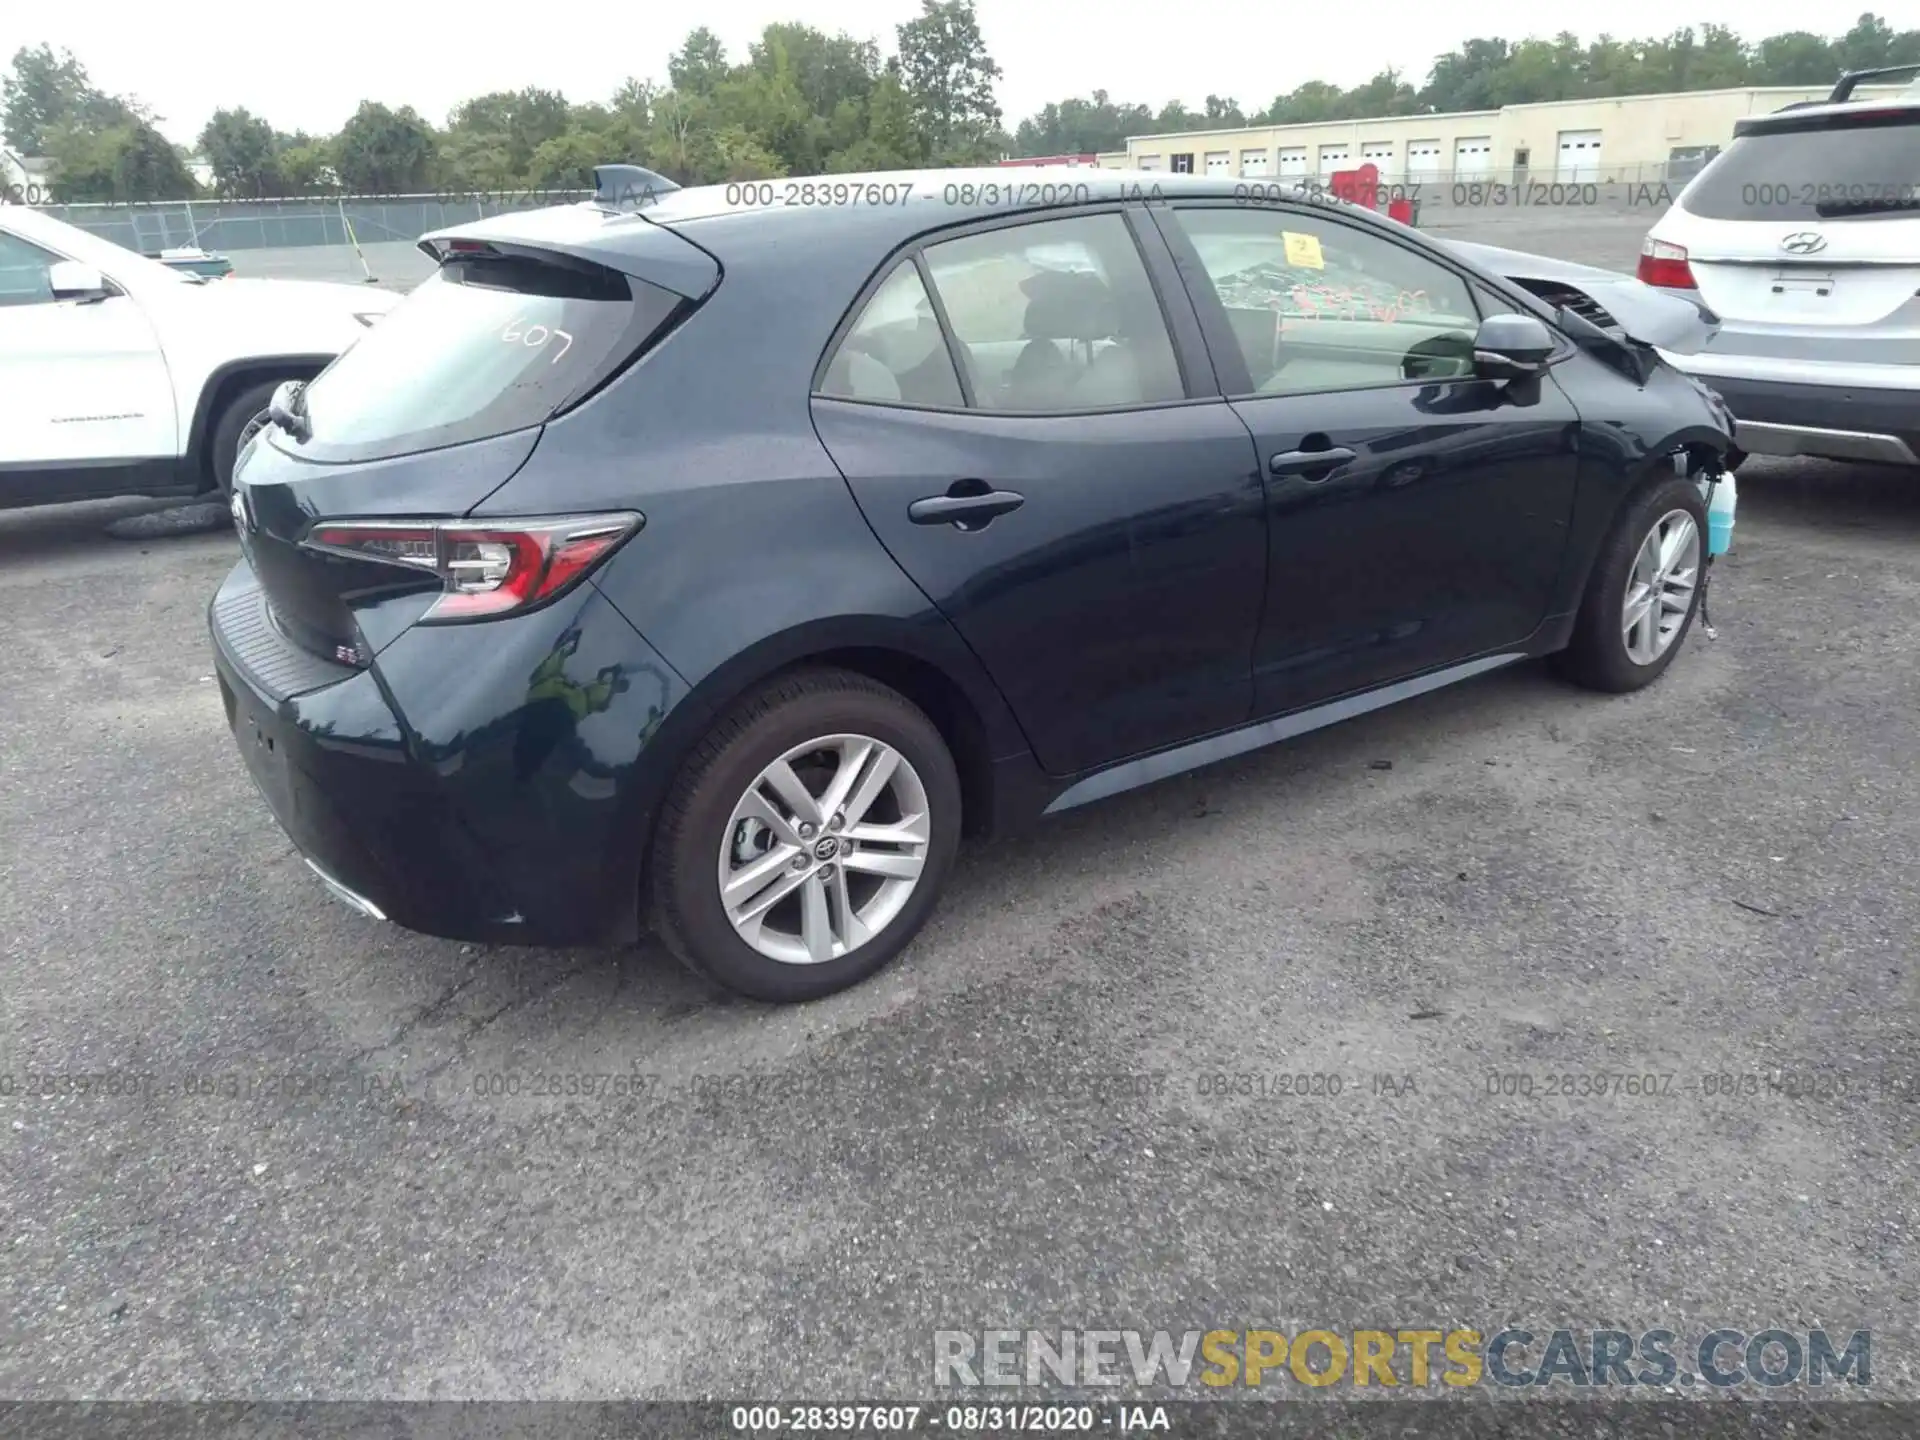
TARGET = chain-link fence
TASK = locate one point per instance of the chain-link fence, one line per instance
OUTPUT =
(348, 237)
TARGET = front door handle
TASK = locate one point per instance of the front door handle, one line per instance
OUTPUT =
(1303, 462)
(967, 512)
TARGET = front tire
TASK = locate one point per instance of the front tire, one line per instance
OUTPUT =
(233, 429)
(807, 838)
(1644, 591)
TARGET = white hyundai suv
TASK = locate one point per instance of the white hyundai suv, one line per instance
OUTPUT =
(1803, 237)
(122, 376)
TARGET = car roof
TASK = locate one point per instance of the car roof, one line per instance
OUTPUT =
(872, 213)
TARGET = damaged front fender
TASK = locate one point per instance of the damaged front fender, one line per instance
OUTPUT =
(1616, 303)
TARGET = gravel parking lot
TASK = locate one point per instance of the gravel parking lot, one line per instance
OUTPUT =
(334, 1177)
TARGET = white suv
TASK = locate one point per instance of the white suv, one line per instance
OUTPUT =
(1803, 236)
(122, 376)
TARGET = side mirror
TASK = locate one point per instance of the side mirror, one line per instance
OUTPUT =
(70, 280)
(1507, 347)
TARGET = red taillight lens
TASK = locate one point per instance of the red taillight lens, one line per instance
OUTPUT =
(1665, 264)
(485, 570)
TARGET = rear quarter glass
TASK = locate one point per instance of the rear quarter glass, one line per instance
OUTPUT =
(1822, 173)
(484, 347)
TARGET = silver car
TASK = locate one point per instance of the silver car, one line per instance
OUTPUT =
(1803, 238)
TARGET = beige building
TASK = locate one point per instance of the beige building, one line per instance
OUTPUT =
(1636, 137)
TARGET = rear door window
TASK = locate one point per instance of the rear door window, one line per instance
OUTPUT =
(1821, 173)
(895, 354)
(485, 346)
(1056, 315)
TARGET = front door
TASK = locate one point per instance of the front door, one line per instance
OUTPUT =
(84, 388)
(1021, 441)
(1416, 514)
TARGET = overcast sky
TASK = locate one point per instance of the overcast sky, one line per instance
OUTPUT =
(306, 69)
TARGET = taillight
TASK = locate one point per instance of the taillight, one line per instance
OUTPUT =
(1665, 264)
(484, 570)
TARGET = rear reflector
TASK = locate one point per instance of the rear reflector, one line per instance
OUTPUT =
(484, 570)
(1665, 265)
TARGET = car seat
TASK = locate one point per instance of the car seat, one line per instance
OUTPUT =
(1064, 308)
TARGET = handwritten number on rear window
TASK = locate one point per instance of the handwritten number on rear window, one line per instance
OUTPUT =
(534, 336)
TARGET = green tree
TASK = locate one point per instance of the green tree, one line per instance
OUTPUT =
(490, 140)
(948, 75)
(384, 152)
(1223, 114)
(243, 153)
(305, 164)
(120, 164)
(147, 166)
(44, 92)
(700, 64)
(1796, 57)
(1081, 127)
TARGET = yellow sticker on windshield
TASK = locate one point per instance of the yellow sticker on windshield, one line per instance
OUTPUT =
(1303, 250)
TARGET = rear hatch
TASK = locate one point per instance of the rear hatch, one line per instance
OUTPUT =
(1804, 235)
(434, 409)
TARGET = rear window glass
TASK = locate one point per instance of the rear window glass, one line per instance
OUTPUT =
(1850, 172)
(483, 347)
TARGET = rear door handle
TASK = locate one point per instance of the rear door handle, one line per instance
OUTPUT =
(968, 512)
(1296, 462)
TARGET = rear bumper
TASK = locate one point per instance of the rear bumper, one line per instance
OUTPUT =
(465, 788)
(1840, 422)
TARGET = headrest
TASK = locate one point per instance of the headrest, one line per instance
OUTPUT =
(1069, 305)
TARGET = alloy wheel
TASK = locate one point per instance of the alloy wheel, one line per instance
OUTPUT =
(1660, 587)
(824, 849)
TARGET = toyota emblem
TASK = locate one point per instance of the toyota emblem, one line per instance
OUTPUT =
(1804, 242)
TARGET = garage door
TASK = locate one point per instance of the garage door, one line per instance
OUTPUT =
(1147, 162)
(1579, 155)
(1424, 157)
(1293, 159)
(1473, 158)
(1219, 162)
(1332, 158)
(1378, 153)
(1256, 162)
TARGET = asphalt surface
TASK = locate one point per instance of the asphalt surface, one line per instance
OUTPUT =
(1038, 1117)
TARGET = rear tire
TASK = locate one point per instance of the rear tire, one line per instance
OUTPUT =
(819, 894)
(232, 428)
(1611, 650)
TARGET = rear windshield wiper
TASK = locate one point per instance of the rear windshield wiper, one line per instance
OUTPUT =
(1836, 209)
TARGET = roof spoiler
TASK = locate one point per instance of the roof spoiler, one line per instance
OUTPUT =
(1853, 78)
(621, 187)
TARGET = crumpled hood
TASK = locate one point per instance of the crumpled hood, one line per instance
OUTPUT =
(1641, 312)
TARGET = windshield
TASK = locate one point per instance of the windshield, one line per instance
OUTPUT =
(1833, 172)
(483, 347)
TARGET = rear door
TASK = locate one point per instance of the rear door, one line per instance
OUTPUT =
(1417, 514)
(1012, 413)
(1804, 237)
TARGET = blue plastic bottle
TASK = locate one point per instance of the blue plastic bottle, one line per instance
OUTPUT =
(1720, 514)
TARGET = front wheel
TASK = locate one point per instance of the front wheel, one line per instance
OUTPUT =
(236, 424)
(807, 838)
(1643, 592)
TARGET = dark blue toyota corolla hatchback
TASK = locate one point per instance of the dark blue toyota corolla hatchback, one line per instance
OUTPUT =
(717, 558)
